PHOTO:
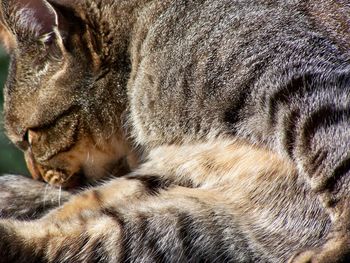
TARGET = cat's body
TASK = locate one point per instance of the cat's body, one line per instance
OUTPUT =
(191, 80)
(261, 213)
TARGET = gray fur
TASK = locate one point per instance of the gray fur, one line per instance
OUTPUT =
(23, 198)
(272, 73)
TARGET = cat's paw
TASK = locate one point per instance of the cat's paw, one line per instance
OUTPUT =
(335, 250)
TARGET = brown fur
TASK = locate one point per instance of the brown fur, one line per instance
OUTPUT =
(249, 198)
(239, 108)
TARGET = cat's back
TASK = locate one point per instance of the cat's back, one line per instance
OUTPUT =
(200, 63)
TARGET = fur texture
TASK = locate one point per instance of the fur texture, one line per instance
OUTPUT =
(240, 109)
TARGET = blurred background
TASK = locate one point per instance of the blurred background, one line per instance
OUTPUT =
(11, 159)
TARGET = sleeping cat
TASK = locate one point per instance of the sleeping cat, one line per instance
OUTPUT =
(239, 110)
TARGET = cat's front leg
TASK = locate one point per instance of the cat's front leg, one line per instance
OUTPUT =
(77, 239)
(176, 225)
(76, 229)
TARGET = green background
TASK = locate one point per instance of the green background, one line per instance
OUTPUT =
(11, 159)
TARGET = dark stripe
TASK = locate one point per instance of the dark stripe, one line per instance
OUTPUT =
(232, 115)
(221, 252)
(13, 249)
(97, 252)
(325, 116)
(152, 184)
(343, 168)
(192, 232)
(290, 131)
(125, 244)
(316, 162)
(334, 183)
(150, 239)
(297, 86)
(188, 236)
(115, 215)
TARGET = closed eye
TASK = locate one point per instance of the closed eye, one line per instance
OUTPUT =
(53, 121)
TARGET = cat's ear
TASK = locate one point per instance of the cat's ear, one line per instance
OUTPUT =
(31, 19)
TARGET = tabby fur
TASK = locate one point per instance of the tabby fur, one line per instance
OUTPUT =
(238, 110)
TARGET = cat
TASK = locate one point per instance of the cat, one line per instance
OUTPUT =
(239, 111)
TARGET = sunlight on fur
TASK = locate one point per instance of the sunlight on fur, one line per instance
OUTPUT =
(177, 131)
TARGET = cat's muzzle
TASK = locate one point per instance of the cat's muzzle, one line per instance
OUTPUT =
(54, 177)
(69, 177)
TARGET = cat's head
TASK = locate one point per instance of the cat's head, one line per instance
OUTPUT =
(62, 105)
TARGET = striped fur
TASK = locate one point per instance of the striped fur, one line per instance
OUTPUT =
(241, 107)
(234, 216)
